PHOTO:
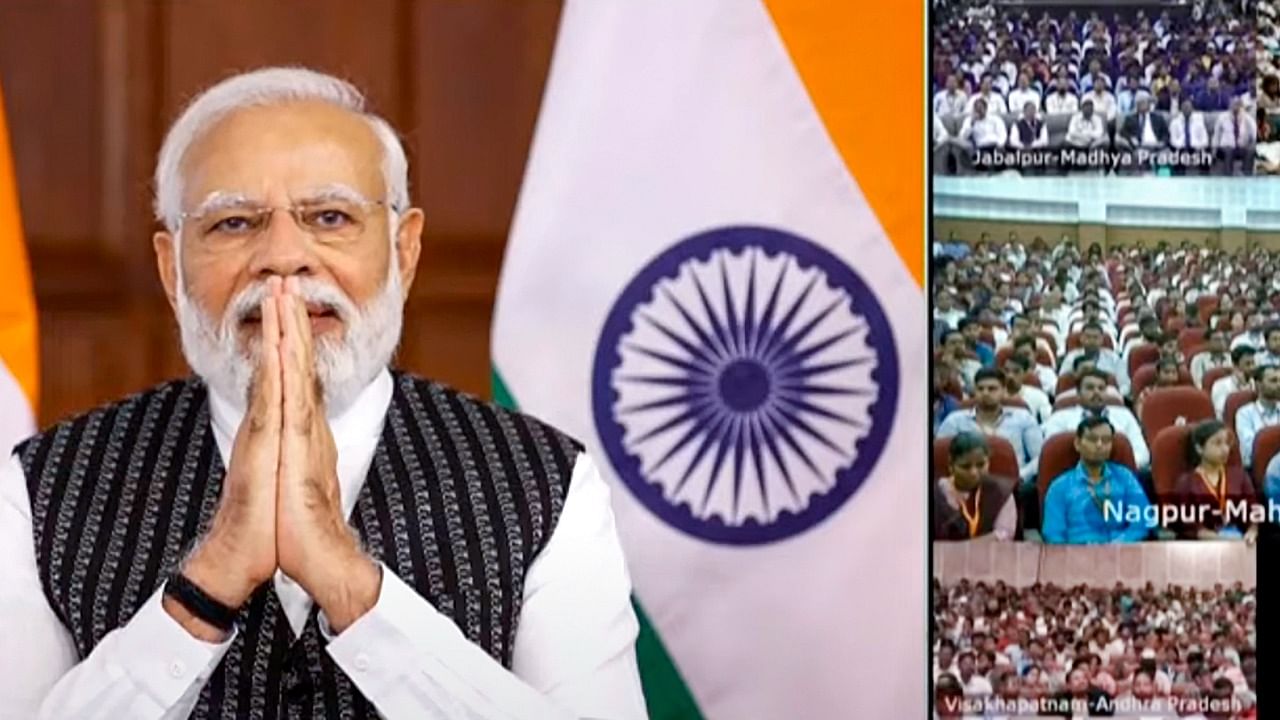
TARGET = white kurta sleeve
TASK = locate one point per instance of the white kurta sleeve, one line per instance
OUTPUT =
(574, 652)
(149, 668)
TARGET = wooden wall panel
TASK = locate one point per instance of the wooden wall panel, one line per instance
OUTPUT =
(91, 87)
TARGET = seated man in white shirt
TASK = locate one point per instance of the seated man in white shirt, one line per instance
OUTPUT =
(1261, 413)
(276, 528)
(1104, 103)
(1187, 130)
(1088, 363)
(1244, 360)
(1037, 400)
(983, 130)
(1061, 101)
(1024, 346)
(993, 100)
(1087, 129)
(1092, 386)
(1091, 339)
(1234, 136)
(1023, 95)
(951, 100)
(1214, 355)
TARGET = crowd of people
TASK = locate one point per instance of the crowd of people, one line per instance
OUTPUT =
(1157, 80)
(1135, 651)
(1268, 71)
(1033, 342)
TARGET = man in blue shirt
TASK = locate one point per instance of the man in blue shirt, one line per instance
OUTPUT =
(989, 416)
(1097, 501)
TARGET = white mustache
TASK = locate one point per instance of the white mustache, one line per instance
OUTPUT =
(247, 303)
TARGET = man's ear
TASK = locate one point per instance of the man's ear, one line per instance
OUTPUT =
(166, 250)
(408, 246)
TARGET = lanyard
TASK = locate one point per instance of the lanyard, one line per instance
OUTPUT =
(1106, 492)
(976, 516)
(1220, 492)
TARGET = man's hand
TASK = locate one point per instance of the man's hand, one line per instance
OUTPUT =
(314, 544)
(239, 552)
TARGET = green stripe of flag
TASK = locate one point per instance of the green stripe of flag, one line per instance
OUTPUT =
(665, 691)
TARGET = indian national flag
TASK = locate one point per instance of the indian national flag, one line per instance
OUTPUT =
(18, 338)
(714, 280)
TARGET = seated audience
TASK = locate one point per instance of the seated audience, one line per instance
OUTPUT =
(1206, 489)
(1093, 405)
(1098, 501)
(1263, 412)
(990, 416)
(969, 502)
(1244, 365)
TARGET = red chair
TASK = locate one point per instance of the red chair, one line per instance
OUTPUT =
(1004, 462)
(1207, 305)
(1212, 376)
(1167, 407)
(1059, 455)
(1266, 444)
(1051, 339)
(1141, 354)
(1175, 324)
(1235, 401)
(1188, 338)
(1169, 458)
(1147, 375)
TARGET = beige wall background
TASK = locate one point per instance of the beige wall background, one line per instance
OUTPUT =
(1109, 236)
(1195, 564)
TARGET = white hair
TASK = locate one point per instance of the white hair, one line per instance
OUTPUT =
(264, 87)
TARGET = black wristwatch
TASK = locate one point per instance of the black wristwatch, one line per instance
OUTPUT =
(199, 603)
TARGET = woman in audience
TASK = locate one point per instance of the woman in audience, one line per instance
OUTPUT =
(1212, 491)
(970, 502)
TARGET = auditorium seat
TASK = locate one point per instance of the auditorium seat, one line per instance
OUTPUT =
(1188, 338)
(1166, 407)
(1059, 455)
(1051, 339)
(1056, 128)
(1265, 446)
(1235, 401)
(1212, 376)
(1004, 461)
(1147, 375)
(1207, 305)
(1142, 354)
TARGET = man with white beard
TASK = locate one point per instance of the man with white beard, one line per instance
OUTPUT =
(298, 531)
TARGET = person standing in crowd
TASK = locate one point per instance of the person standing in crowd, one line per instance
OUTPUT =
(1215, 355)
(1263, 412)
(1244, 365)
(1097, 501)
(970, 503)
(989, 416)
(1211, 485)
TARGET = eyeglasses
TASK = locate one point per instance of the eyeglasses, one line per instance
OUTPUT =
(330, 221)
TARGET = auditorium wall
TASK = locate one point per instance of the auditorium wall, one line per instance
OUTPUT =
(1195, 564)
(1119, 236)
(91, 87)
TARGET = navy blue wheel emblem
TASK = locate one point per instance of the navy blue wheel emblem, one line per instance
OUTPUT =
(744, 385)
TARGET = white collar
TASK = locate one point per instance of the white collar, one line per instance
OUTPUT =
(362, 420)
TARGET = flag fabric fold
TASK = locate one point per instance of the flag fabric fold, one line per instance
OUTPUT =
(18, 336)
(713, 280)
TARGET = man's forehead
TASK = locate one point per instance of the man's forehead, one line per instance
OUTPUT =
(286, 149)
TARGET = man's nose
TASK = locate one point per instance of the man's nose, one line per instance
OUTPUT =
(283, 248)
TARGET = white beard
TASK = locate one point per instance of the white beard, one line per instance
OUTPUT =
(344, 366)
